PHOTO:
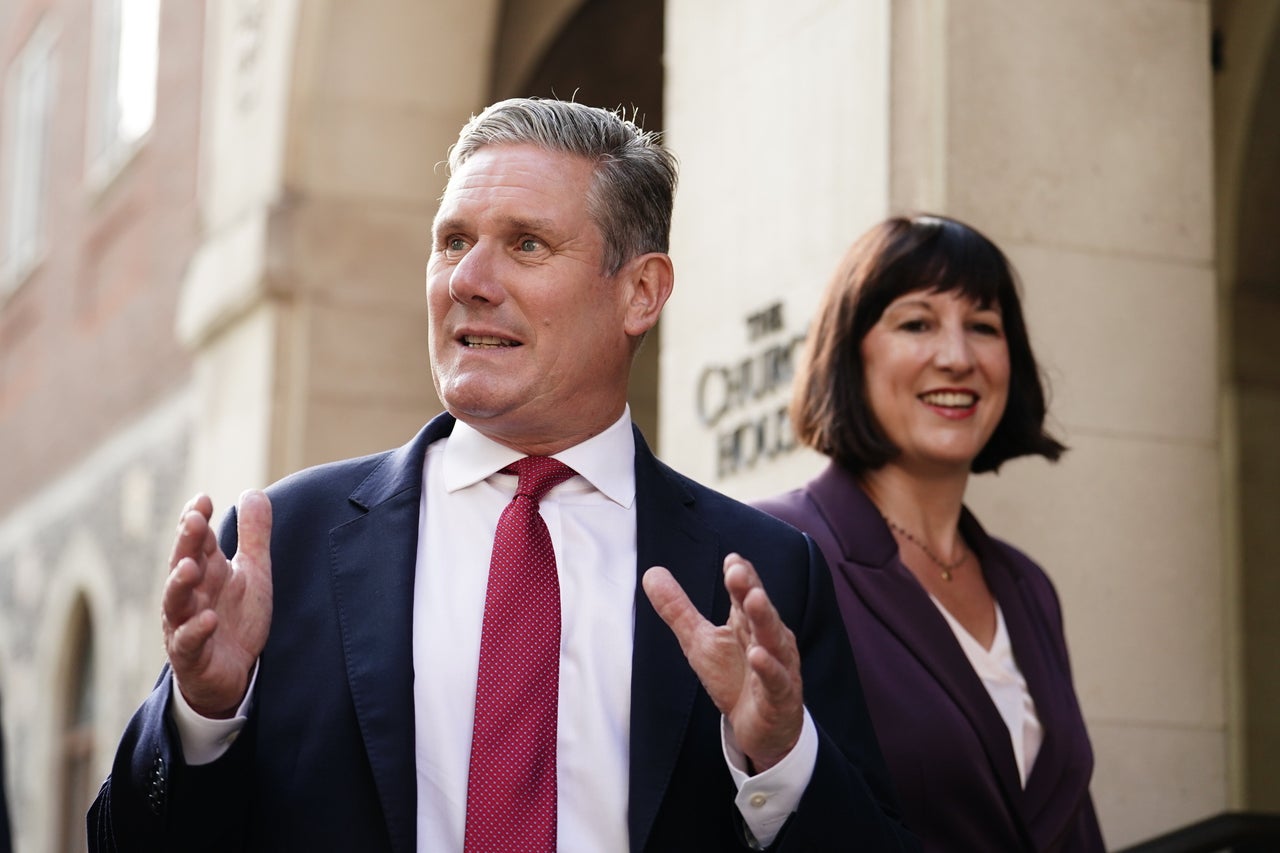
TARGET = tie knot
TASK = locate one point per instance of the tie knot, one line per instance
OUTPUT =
(539, 475)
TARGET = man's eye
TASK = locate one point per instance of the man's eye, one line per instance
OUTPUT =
(529, 244)
(455, 244)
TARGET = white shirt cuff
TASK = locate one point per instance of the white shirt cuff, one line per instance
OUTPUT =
(767, 799)
(204, 740)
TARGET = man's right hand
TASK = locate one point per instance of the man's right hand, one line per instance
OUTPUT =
(216, 613)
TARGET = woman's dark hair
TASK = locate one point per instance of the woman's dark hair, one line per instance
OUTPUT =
(829, 408)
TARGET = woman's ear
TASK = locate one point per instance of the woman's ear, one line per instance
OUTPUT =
(650, 279)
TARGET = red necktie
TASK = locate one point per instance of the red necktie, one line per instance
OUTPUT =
(511, 787)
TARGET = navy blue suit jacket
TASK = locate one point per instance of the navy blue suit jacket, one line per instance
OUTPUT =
(326, 761)
(948, 750)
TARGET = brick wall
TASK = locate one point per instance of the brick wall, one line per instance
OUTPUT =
(87, 339)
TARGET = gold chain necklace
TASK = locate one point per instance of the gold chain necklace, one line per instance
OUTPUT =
(947, 568)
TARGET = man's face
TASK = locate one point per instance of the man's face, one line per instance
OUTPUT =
(529, 338)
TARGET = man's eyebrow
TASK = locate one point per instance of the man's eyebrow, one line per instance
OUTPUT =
(510, 223)
(441, 226)
(519, 223)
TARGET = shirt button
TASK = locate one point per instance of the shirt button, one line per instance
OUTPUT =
(758, 800)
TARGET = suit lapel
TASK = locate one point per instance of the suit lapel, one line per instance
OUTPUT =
(871, 565)
(373, 560)
(1034, 662)
(663, 686)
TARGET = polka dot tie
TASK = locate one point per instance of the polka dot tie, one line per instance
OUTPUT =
(511, 787)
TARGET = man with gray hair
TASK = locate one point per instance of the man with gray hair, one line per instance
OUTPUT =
(520, 631)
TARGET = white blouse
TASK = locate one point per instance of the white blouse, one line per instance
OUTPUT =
(1008, 689)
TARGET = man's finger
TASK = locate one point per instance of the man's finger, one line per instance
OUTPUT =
(178, 600)
(188, 540)
(200, 503)
(774, 678)
(772, 652)
(253, 523)
(675, 608)
(767, 627)
(194, 532)
(774, 658)
(740, 577)
(187, 644)
(740, 625)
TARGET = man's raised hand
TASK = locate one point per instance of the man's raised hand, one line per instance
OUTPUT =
(216, 612)
(750, 666)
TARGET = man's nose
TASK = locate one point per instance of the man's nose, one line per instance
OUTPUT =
(475, 276)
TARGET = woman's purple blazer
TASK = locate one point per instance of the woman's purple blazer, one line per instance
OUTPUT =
(948, 750)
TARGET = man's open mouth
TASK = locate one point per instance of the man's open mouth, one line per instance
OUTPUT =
(487, 341)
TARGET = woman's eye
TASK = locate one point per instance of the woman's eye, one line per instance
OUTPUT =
(987, 329)
(913, 325)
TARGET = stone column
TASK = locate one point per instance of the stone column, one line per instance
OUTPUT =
(779, 114)
(1078, 135)
(306, 307)
(229, 314)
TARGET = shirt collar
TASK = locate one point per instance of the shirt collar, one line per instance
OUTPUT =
(606, 461)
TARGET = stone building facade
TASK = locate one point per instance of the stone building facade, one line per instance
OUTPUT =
(227, 285)
(99, 218)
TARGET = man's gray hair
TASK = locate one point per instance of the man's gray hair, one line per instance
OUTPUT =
(634, 186)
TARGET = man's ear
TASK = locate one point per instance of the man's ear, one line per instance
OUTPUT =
(649, 279)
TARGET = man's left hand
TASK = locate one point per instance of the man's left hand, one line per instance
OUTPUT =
(750, 666)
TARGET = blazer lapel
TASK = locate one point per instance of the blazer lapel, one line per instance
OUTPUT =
(663, 686)
(373, 560)
(871, 565)
(1034, 655)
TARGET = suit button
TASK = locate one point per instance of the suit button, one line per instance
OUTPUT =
(156, 790)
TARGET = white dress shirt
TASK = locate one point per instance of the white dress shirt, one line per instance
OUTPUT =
(592, 522)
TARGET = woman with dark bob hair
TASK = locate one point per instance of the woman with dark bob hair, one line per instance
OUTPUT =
(917, 372)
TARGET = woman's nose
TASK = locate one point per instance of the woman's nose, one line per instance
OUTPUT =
(954, 350)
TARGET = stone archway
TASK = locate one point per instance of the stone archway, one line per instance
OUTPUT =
(304, 306)
(1247, 102)
(605, 53)
(326, 125)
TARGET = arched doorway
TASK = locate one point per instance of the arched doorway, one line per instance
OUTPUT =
(76, 710)
(360, 106)
(1247, 117)
(608, 53)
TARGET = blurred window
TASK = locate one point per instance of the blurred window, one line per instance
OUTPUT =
(29, 90)
(122, 104)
